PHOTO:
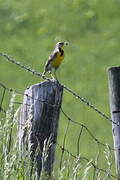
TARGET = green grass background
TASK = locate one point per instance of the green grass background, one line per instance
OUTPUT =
(28, 32)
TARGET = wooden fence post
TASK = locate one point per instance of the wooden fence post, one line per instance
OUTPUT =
(114, 93)
(38, 123)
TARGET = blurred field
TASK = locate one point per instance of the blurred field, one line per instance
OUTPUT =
(28, 32)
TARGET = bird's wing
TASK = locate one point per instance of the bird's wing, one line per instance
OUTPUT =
(50, 59)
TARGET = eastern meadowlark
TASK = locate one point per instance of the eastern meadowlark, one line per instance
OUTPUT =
(55, 59)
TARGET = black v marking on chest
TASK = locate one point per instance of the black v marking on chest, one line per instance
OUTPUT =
(61, 51)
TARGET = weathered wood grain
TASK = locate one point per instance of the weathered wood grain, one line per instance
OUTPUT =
(114, 93)
(38, 123)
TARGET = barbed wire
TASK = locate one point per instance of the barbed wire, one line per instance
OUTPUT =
(28, 69)
(25, 94)
(53, 105)
(86, 128)
(82, 126)
(82, 99)
(78, 155)
(63, 149)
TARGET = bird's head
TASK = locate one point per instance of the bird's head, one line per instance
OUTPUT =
(61, 44)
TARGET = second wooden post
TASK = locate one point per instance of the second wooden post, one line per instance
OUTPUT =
(114, 92)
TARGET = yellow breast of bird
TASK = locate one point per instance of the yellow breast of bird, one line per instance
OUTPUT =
(58, 59)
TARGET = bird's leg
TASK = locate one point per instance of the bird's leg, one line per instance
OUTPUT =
(55, 74)
(51, 75)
